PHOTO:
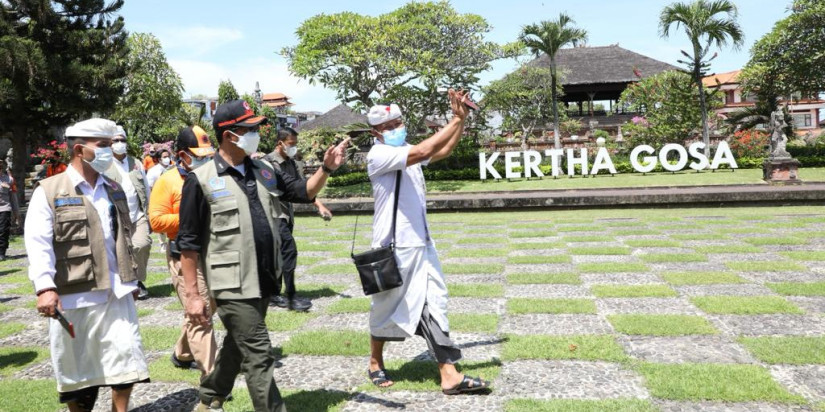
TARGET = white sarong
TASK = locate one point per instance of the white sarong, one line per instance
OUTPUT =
(395, 313)
(106, 350)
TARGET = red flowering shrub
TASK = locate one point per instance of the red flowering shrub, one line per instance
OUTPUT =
(749, 143)
(52, 150)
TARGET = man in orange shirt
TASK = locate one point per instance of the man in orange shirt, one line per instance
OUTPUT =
(196, 342)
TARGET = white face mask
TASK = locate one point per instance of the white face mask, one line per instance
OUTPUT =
(165, 161)
(291, 151)
(119, 148)
(103, 158)
(196, 162)
(248, 142)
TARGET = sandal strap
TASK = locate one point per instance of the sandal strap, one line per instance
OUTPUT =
(469, 382)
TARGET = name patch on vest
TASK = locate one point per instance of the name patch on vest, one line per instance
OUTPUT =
(118, 196)
(217, 183)
(220, 194)
(68, 201)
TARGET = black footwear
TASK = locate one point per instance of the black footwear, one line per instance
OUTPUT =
(280, 301)
(183, 364)
(3, 257)
(142, 292)
(299, 305)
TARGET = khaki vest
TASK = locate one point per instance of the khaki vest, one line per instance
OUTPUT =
(137, 181)
(80, 252)
(227, 243)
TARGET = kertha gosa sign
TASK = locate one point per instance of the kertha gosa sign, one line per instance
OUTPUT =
(643, 159)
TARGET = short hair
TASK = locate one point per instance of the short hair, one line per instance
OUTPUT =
(284, 133)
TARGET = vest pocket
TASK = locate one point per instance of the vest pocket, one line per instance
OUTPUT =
(76, 267)
(70, 225)
(225, 216)
(225, 270)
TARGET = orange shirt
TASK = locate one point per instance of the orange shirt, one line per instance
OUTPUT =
(148, 162)
(164, 203)
(52, 169)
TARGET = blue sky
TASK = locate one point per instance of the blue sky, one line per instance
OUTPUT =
(208, 40)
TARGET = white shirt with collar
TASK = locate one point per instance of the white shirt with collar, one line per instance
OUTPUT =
(383, 161)
(39, 236)
(135, 211)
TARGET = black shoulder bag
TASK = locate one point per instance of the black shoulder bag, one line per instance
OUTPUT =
(377, 267)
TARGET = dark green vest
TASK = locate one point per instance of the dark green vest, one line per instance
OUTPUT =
(228, 253)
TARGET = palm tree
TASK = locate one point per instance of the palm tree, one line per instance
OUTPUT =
(704, 29)
(548, 37)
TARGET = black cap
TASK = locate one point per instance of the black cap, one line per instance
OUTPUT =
(236, 113)
(195, 140)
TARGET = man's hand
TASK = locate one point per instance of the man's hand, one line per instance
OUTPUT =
(336, 156)
(196, 310)
(47, 301)
(325, 213)
(457, 105)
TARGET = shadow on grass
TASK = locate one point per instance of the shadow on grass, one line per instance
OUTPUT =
(317, 293)
(427, 371)
(9, 271)
(17, 359)
(161, 291)
(317, 400)
(186, 399)
(8, 299)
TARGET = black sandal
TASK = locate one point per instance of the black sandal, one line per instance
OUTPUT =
(468, 384)
(379, 378)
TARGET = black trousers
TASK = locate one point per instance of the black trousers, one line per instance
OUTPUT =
(289, 255)
(5, 231)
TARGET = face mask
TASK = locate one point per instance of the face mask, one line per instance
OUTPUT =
(395, 137)
(291, 151)
(196, 162)
(248, 142)
(103, 158)
(165, 162)
(119, 148)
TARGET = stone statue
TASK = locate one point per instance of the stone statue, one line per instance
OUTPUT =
(778, 138)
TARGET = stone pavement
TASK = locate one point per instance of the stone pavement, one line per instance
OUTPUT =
(618, 262)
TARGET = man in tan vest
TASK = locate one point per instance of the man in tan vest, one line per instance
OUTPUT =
(128, 171)
(229, 221)
(78, 236)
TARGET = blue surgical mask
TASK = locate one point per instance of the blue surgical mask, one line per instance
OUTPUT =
(395, 137)
(103, 158)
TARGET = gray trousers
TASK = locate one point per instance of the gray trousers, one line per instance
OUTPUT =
(438, 341)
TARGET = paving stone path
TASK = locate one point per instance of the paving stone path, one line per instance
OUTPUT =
(667, 266)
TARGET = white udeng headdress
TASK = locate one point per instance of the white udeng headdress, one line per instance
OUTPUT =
(381, 114)
(98, 128)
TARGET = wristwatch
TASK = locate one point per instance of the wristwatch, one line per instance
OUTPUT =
(326, 169)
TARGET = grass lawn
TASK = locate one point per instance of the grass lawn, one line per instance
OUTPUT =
(331, 343)
(588, 238)
(296, 401)
(610, 250)
(423, 376)
(728, 249)
(555, 306)
(795, 350)
(745, 305)
(532, 233)
(537, 245)
(701, 278)
(798, 289)
(472, 268)
(286, 320)
(15, 358)
(577, 347)
(475, 290)
(632, 291)
(319, 290)
(713, 382)
(550, 278)
(661, 325)
(539, 260)
(776, 266)
(159, 337)
(808, 255)
(332, 269)
(16, 275)
(470, 322)
(10, 328)
(698, 236)
(28, 395)
(652, 243)
(610, 267)
(349, 305)
(141, 312)
(476, 252)
(579, 228)
(673, 257)
(162, 370)
(577, 405)
(775, 241)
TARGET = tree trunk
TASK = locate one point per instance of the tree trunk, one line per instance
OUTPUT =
(703, 106)
(556, 133)
(20, 162)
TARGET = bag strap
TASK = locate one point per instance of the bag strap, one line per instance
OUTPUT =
(394, 214)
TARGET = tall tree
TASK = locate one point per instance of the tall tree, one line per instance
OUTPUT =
(521, 98)
(791, 57)
(227, 92)
(151, 108)
(404, 56)
(706, 23)
(548, 37)
(59, 61)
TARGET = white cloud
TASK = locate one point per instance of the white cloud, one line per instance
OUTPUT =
(196, 40)
(202, 77)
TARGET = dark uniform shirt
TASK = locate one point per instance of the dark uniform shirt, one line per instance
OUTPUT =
(195, 211)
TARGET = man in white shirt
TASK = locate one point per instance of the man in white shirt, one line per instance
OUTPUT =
(163, 163)
(419, 306)
(78, 240)
(128, 171)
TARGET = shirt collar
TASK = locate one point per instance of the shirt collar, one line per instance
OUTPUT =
(223, 166)
(77, 179)
(277, 157)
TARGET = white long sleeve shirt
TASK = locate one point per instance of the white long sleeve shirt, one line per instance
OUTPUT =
(39, 236)
(135, 212)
